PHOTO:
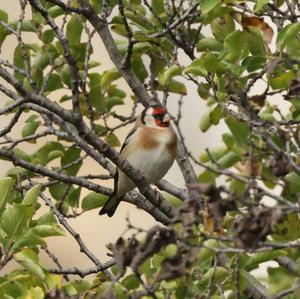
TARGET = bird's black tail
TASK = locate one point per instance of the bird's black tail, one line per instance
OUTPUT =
(110, 206)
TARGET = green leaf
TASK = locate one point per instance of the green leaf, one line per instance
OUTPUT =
(208, 250)
(211, 62)
(3, 31)
(215, 153)
(282, 81)
(222, 27)
(168, 74)
(70, 157)
(158, 7)
(3, 16)
(197, 68)
(204, 123)
(10, 289)
(174, 87)
(73, 197)
(255, 260)
(35, 292)
(260, 4)
(47, 230)
(92, 64)
(131, 282)
(228, 160)
(41, 60)
(228, 140)
(19, 172)
(112, 140)
(255, 42)
(173, 200)
(48, 36)
(55, 154)
(54, 83)
(94, 79)
(209, 44)
(26, 25)
(15, 219)
(6, 184)
(53, 281)
(100, 130)
(207, 5)
(47, 218)
(31, 125)
(65, 74)
(93, 200)
(96, 99)
(108, 77)
(97, 5)
(204, 90)
(207, 177)
(19, 61)
(28, 239)
(79, 51)
(58, 190)
(32, 195)
(29, 260)
(76, 287)
(288, 229)
(218, 274)
(287, 34)
(237, 187)
(41, 156)
(216, 12)
(74, 30)
(55, 11)
(234, 44)
(116, 92)
(216, 115)
(253, 63)
(239, 130)
(139, 68)
(21, 154)
(113, 101)
(293, 180)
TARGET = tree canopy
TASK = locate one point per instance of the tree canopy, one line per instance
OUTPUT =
(240, 210)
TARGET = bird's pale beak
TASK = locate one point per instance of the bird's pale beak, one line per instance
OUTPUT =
(167, 118)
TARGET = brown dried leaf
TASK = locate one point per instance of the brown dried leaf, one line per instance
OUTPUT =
(251, 167)
(217, 207)
(188, 213)
(254, 21)
(254, 228)
(179, 264)
(124, 252)
(280, 164)
(257, 102)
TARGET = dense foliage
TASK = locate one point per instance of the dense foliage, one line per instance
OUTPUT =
(240, 211)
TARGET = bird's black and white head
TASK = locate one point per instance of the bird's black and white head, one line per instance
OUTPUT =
(156, 116)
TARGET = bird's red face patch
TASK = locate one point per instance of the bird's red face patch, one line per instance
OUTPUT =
(159, 114)
(160, 111)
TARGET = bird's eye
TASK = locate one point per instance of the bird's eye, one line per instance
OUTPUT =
(157, 116)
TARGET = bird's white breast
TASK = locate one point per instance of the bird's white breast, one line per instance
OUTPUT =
(153, 163)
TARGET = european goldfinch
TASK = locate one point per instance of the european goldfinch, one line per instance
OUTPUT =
(150, 147)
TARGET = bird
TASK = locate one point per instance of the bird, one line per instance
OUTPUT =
(150, 147)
